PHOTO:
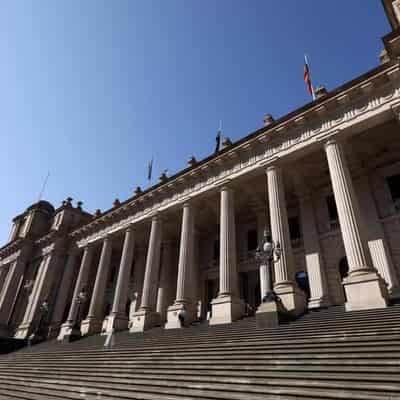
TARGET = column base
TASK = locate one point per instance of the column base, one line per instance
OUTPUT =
(54, 330)
(318, 302)
(226, 309)
(89, 326)
(365, 291)
(394, 293)
(23, 331)
(267, 314)
(117, 322)
(173, 321)
(292, 298)
(144, 320)
(69, 332)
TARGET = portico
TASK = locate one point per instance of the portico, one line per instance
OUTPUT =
(322, 179)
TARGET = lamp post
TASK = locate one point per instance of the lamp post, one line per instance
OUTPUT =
(268, 255)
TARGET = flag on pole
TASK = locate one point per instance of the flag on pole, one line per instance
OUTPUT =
(150, 169)
(307, 78)
(218, 138)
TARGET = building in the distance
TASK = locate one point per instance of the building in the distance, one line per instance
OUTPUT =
(324, 178)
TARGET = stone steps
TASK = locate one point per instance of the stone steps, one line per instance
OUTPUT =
(327, 354)
(133, 389)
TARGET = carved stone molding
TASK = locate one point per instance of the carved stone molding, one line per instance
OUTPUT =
(283, 139)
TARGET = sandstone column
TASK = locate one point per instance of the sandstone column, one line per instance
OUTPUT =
(48, 270)
(10, 287)
(147, 317)
(227, 307)
(377, 243)
(364, 288)
(186, 272)
(3, 276)
(118, 319)
(285, 286)
(62, 294)
(80, 285)
(94, 319)
(319, 295)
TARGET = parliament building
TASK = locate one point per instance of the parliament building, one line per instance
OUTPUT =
(324, 179)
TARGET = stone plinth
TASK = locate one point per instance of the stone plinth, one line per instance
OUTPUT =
(365, 291)
(144, 320)
(267, 314)
(90, 326)
(226, 309)
(173, 321)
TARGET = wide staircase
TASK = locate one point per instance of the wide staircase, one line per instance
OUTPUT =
(327, 354)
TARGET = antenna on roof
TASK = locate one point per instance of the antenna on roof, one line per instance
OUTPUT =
(44, 186)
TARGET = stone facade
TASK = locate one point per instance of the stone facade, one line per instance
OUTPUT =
(324, 179)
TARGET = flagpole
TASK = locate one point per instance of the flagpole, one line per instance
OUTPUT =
(312, 88)
(44, 186)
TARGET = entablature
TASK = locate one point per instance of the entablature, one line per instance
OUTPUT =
(372, 97)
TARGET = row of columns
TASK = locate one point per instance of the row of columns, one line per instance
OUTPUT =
(364, 287)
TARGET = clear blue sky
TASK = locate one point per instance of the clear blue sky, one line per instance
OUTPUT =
(91, 90)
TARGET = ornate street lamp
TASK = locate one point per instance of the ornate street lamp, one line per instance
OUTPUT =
(268, 255)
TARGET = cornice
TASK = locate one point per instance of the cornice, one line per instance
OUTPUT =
(378, 92)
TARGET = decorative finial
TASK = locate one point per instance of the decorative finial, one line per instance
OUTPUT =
(67, 202)
(384, 57)
(116, 203)
(163, 177)
(320, 91)
(97, 213)
(138, 191)
(79, 205)
(268, 119)
(192, 161)
(226, 142)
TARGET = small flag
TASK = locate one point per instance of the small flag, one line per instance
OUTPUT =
(150, 169)
(307, 78)
(218, 138)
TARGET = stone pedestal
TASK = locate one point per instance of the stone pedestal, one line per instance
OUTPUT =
(365, 291)
(292, 297)
(69, 332)
(226, 309)
(144, 320)
(90, 326)
(267, 314)
(117, 322)
(173, 321)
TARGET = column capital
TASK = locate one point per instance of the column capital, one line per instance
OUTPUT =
(130, 228)
(272, 167)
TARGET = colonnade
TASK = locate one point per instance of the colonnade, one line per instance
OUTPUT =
(364, 287)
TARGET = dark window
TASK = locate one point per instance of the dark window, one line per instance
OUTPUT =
(302, 282)
(252, 240)
(394, 187)
(294, 228)
(332, 210)
(216, 249)
(112, 274)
